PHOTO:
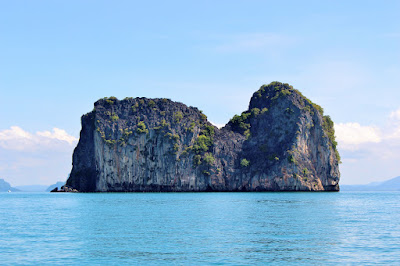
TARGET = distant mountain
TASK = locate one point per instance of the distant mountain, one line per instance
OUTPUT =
(5, 186)
(59, 184)
(388, 185)
(32, 188)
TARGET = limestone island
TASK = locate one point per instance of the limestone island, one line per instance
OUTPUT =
(283, 142)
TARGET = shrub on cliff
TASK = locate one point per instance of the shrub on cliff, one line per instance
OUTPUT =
(110, 100)
(240, 123)
(202, 144)
(114, 117)
(209, 159)
(141, 128)
(197, 160)
(177, 117)
(244, 162)
(328, 127)
(152, 103)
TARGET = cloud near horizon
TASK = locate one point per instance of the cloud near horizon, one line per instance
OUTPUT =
(218, 125)
(367, 150)
(18, 139)
(395, 115)
(29, 158)
(352, 136)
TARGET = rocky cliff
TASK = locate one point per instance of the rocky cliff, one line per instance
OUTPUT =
(283, 142)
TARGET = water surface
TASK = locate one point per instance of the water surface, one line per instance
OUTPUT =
(200, 228)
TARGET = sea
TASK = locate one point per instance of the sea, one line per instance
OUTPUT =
(352, 228)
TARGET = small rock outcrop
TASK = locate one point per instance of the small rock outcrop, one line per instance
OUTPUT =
(283, 142)
(56, 185)
(64, 189)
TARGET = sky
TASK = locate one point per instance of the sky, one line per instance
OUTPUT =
(58, 57)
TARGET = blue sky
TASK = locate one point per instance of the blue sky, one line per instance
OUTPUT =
(58, 57)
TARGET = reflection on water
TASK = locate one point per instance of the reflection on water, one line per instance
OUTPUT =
(200, 228)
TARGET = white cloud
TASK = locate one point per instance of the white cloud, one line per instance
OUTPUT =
(59, 134)
(369, 153)
(394, 125)
(18, 139)
(395, 115)
(394, 135)
(42, 157)
(351, 135)
(14, 133)
(217, 124)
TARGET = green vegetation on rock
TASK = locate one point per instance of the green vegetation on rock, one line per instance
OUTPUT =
(291, 158)
(329, 129)
(240, 123)
(255, 112)
(305, 172)
(197, 160)
(141, 128)
(209, 159)
(207, 173)
(125, 136)
(186, 151)
(208, 130)
(174, 137)
(110, 100)
(176, 146)
(205, 140)
(135, 107)
(162, 125)
(203, 117)
(152, 103)
(191, 127)
(114, 117)
(177, 117)
(244, 162)
(110, 142)
(202, 144)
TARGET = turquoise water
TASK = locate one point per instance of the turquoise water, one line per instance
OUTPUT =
(200, 228)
